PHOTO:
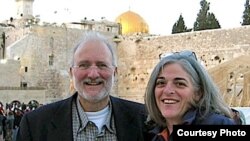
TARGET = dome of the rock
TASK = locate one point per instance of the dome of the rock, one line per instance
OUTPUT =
(131, 23)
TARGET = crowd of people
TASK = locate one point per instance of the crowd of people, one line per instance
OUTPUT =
(10, 117)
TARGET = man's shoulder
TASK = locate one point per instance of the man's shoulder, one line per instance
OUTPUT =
(120, 104)
(125, 101)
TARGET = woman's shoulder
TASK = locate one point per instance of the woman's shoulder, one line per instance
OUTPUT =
(217, 119)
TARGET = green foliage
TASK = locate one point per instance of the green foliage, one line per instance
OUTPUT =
(212, 22)
(205, 19)
(179, 26)
(246, 14)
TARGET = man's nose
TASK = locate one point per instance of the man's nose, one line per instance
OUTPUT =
(93, 72)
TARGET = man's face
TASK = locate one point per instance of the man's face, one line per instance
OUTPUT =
(93, 72)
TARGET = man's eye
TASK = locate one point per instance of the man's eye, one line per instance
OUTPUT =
(102, 66)
(84, 66)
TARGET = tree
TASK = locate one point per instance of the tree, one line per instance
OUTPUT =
(200, 23)
(205, 19)
(179, 26)
(246, 14)
(212, 22)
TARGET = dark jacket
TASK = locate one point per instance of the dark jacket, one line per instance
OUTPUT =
(190, 118)
(53, 122)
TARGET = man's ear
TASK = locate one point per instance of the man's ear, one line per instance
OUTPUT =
(72, 88)
(70, 72)
(116, 71)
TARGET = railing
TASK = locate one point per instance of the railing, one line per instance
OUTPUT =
(22, 88)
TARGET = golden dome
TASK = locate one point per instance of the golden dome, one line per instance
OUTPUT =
(131, 22)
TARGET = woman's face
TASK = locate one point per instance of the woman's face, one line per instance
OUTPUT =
(174, 92)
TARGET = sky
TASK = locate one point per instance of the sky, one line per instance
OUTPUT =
(160, 15)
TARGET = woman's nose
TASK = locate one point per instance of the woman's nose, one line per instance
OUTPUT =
(169, 88)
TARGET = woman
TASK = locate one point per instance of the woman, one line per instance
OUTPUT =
(181, 92)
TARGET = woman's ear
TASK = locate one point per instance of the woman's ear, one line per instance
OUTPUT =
(197, 96)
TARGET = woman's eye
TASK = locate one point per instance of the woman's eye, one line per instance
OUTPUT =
(160, 82)
(180, 84)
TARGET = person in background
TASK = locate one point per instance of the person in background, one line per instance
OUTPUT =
(9, 125)
(181, 92)
(238, 117)
(2, 123)
(91, 113)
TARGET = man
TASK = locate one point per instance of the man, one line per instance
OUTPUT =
(91, 113)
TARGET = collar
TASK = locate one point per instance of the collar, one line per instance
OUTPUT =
(190, 116)
(83, 119)
(188, 119)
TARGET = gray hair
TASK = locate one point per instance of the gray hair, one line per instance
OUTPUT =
(211, 100)
(96, 36)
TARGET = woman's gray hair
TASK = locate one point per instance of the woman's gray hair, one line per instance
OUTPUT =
(211, 100)
(95, 36)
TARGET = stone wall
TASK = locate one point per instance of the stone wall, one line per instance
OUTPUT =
(232, 79)
(22, 95)
(33, 51)
(137, 55)
(9, 73)
(246, 90)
